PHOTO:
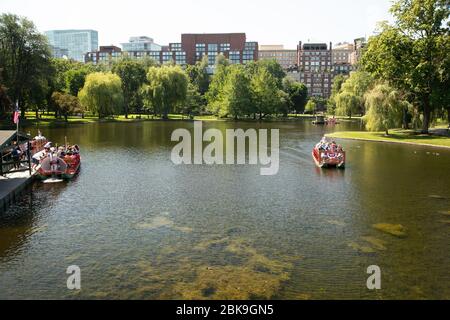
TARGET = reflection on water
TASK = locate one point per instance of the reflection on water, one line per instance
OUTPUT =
(140, 227)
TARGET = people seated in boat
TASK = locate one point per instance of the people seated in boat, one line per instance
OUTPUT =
(61, 152)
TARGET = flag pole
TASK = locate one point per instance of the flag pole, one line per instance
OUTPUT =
(17, 123)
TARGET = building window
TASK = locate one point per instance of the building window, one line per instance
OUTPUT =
(213, 47)
(235, 57)
(200, 47)
(225, 47)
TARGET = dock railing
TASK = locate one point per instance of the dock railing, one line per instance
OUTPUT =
(7, 164)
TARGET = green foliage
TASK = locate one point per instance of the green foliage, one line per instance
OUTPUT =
(347, 104)
(198, 75)
(311, 106)
(338, 81)
(66, 104)
(133, 76)
(166, 89)
(25, 60)
(75, 79)
(350, 98)
(297, 95)
(384, 109)
(266, 96)
(102, 94)
(412, 54)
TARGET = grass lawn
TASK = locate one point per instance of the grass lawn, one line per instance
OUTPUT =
(395, 136)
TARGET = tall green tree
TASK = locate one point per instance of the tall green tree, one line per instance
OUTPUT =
(297, 95)
(24, 59)
(66, 104)
(266, 97)
(410, 53)
(5, 101)
(102, 94)
(311, 106)
(199, 76)
(236, 98)
(133, 76)
(338, 81)
(384, 109)
(347, 104)
(166, 89)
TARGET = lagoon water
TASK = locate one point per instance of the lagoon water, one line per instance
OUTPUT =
(140, 227)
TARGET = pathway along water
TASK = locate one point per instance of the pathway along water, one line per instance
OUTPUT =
(140, 227)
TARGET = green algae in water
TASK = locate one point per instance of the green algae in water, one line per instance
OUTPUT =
(257, 277)
(396, 230)
(161, 221)
(375, 242)
(361, 248)
(336, 223)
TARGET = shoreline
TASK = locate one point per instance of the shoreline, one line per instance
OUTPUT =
(341, 135)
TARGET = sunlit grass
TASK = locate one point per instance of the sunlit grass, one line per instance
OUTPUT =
(398, 136)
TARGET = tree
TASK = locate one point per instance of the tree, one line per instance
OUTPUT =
(167, 88)
(214, 96)
(297, 95)
(199, 76)
(311, 106)
(75, 79)
(133, 76)
(66, 104)
(266, 98)
(410, 54)
(102, 94)
(193, 104)
(274, 68)
(347, 104)
(236, 97)
(338, 81)
(25, 60)
(384, 109)
(5, 102)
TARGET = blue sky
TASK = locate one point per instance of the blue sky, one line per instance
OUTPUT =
(266, 21)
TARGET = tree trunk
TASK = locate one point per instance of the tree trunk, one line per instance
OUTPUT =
(65, 118)
(405, 119)
(426, 114)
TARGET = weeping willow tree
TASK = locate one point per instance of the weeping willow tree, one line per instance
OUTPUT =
(102, 94)
(384, 108)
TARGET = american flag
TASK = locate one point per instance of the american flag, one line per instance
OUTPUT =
(16, 115)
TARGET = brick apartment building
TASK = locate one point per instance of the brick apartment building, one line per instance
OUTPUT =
(192, 48)
(233, 46)
(105, 54)
(287, 58)
(315, 68)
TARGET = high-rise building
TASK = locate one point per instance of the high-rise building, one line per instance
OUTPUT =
(286, 58)
(141, 43)
(316, 68)
(59, 52)
(106, 54)
(233, 46)
(359, 45)
(341, 57)
(76, 42)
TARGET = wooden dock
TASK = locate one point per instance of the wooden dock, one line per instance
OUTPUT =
(15, 174)
(12, 186)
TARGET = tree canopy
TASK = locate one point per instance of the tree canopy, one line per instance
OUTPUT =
(102, 94)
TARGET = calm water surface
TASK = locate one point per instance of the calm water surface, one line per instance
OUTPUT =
(140, 227)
